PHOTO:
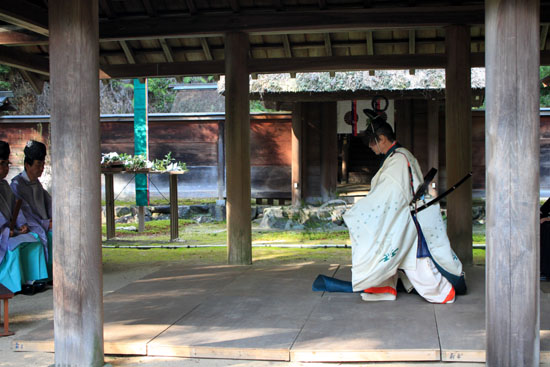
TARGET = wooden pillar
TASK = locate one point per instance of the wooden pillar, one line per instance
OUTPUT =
(297, 154)
(345, 158)
(237, 140)
(512, 156)
(109, 205)
(75, 146)
(458, 139)
(329, 151)
(221, 161)
(433, 142)
(404, 123)
(174, 207)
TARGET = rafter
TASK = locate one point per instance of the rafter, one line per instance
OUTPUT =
(543, 36)
(21, 39)
(22, 60)
(328, 45)
(286, 46)
(128, 52)
(167, 50)
(25, 15)
(217, 24)
(206, 49)
(36, 83)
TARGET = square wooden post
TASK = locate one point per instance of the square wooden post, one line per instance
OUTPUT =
(75, 156)
(297, 149)
(433, 142)
(458, 139)
(512, 124)
(329, 151)
(109, 205)
(237, 149)
(174, 230)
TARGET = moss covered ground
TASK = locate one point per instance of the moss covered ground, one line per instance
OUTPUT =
(214, 234)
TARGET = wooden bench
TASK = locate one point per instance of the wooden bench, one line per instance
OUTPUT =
(5, 295)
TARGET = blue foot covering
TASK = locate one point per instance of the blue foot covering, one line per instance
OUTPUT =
(328, 284)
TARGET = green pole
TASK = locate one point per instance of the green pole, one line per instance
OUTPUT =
(141, 138)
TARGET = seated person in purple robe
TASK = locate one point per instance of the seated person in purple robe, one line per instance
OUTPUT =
(22, 260)
(37, 202)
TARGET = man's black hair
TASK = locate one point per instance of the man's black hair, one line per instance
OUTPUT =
(34, 151)
(376, 126)
(4, 150)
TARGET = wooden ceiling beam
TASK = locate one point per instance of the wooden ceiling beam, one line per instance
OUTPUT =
(296, 64)
(346, 95)
(25, 15)
(10, 56)
(347, 63)
(279, 65)
(14, 38)
(168, 69)
(326, 21)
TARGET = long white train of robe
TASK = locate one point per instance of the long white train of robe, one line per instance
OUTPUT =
(384, 237)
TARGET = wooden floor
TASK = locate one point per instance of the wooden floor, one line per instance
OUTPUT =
(270, 313)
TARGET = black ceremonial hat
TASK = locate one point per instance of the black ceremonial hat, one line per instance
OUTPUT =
(35, 150)
(4, 150)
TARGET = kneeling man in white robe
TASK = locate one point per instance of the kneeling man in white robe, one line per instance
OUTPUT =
(389, 241)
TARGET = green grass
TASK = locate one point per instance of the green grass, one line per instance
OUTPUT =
(478, 238)
(301, 236)
(218, 256)
(479, 257)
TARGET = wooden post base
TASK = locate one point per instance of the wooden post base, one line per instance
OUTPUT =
(5, 295)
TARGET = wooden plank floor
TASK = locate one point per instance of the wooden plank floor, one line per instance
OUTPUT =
(270, 313)
(345, 328)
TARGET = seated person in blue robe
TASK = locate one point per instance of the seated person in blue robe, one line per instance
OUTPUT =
(22, 260)
(37, 202)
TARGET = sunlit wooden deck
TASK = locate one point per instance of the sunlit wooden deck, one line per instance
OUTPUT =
(270, 313)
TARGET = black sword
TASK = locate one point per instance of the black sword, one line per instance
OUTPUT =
(443, 195)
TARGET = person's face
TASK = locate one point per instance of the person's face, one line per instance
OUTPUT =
(381, 145)
(375, 147)
(4, 168)
(35, 170)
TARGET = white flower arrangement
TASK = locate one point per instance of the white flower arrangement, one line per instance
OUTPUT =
(140, 163)
(109, 158)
